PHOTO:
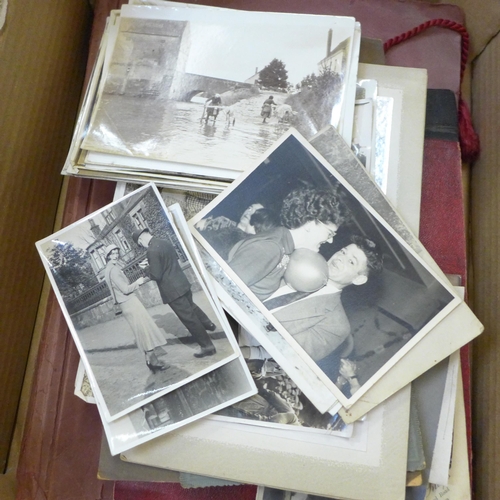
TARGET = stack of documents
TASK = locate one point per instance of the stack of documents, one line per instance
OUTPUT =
(255, 306)
(190, 76)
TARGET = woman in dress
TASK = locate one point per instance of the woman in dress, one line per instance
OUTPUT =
(147, 335)
(267, 108)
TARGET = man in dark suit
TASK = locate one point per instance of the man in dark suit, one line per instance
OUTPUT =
(317, 321)
(175, 289)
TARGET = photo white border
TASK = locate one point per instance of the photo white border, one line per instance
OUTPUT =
(42, 248)
(346, 402)
(166, 10)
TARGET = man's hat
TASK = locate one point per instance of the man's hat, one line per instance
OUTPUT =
(137, 233)
(110, 248)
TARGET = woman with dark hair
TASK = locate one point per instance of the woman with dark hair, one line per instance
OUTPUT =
(264, 219)
(308, 204)
(147, 335)
(309, 218)
(267, 108)
(223, 233)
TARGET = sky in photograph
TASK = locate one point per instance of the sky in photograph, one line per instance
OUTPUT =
(231, 44)
(78, 235)
(234, 53)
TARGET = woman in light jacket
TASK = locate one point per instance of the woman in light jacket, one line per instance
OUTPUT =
(147, 335)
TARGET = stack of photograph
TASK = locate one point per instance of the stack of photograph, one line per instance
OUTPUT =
(337, 312)
(212, 89)
(255, 305)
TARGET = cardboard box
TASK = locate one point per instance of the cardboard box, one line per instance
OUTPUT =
(483, 22)
(481, 89)
(43, 52)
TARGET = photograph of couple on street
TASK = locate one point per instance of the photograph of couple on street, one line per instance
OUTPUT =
(140, 312)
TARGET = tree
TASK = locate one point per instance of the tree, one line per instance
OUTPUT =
(319, 96)
(274, 75)
(71, 269)
(327, 82)
(307, 81)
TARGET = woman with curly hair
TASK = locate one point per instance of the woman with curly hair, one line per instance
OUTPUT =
(309, 218)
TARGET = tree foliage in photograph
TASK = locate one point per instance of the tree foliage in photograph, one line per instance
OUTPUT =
(307, 81)
(274, 75)
(71, 269)
(318, 96)
(159, 225)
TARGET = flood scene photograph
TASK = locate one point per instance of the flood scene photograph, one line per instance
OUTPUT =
(218, 93)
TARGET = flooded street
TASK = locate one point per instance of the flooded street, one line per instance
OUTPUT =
(175, 131)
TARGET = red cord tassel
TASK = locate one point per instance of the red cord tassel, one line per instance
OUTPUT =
(470, 145)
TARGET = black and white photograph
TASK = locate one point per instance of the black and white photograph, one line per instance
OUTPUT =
(279, 402)
(209, 85)
(211, 392)
(323, 267)
(140, 314)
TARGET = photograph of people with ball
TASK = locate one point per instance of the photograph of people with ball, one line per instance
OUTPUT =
(322, 266)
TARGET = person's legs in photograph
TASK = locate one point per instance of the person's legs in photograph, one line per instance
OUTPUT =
(183, 308)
